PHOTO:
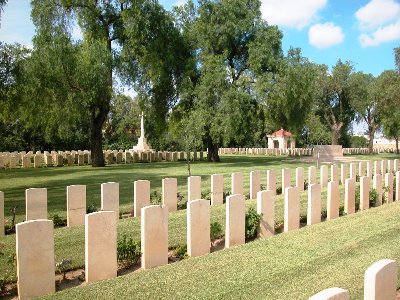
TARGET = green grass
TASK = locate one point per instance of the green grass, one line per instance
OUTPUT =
(14, 182)
(292, 265)
(69, 242)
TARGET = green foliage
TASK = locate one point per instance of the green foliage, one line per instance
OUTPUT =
(58, 221)
(294, 92)
(357, 198)
(155, 198)
(279, 190)
(215, 231)
(128, 251)
(252, 223)
(91, 208)
(11, 264)
(180, 251)
(206, 195)
(373, 198)
(333, 98)
(63, 266)
(358, 142)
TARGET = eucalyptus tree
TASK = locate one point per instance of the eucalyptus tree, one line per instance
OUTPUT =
(366, 102)
(76, 78)
(333, 98)
(234, 55)
(389, 88)
(293, 96)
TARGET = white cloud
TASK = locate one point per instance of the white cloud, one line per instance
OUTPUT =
(180, 3)
(382, 35)
(325, 35)
(377, 13)
(290, 13)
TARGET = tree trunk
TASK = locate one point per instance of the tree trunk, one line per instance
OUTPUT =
(96, 136)
(335, 137)
(212, 155)
(397, 145)
(371, 134)
(335, 128)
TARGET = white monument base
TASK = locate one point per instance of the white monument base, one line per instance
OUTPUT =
(141, 146)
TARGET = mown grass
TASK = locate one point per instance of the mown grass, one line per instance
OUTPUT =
(14, 182)
(292, 265)
(69, 242)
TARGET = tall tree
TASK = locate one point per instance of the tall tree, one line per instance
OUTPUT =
(365, 102)
(333, 100)
(293, 95)
(80, 75)
(234, 54)
(389, 86)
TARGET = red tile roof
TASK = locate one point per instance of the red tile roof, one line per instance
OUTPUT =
(280, 133)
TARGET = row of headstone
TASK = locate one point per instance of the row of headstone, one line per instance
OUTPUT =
(35, 242)
(116, 157)
(80, 158)
(46, 159)
(380, 283)
(375, 150)
(36, 236)
(267, 151)
(36, 198)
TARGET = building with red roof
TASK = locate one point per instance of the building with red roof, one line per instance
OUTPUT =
(281, 139)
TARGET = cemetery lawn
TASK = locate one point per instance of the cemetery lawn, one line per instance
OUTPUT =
(69, 242)
(14, 182)
(292, 265)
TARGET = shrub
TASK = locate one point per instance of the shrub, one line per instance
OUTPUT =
(373, 198)
(215, 231)
(226, 194)
(5, 275)
(279, 190)
(358, 200)
(155, 198)
(58, 221)
(91, 209)
(263, 187)
(180, 251)
(182, 204)
(63, 266)
(128, 251)
(357, 178)
(206, 195)
(305, 185)
(252, 223)
(385, 191)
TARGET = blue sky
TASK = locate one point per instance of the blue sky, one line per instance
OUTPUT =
(362, 31)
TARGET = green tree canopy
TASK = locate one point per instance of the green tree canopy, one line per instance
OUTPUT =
(333, 98)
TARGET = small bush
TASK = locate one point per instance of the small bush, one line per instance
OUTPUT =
(182, 204)
(91, 209)
(305, 185)
(358, 199)
(180, 251)
(63, 266)
(279, 190)
(155, 198)
(253, 220)
(357, 178)
(215, 231)
(263, 187)
(206, 195)
(58, 221)
(373, 198)
(5, 275)
(385, 191)
(226, 194)
(128, 251)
